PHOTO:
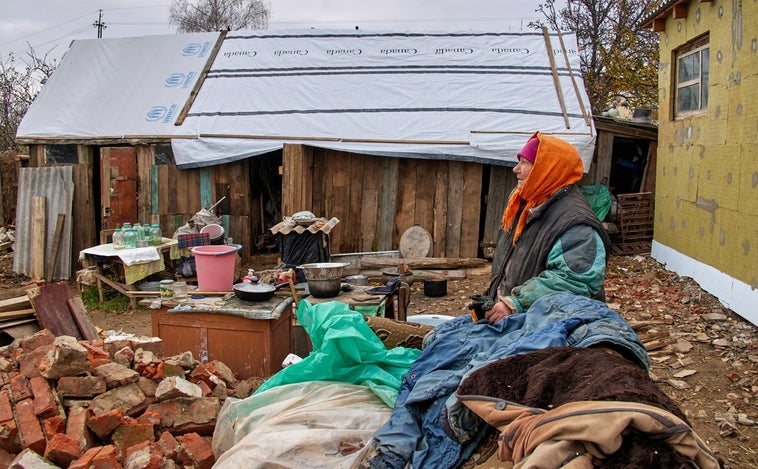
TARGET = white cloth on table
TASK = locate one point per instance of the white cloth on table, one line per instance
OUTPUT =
(128, 256)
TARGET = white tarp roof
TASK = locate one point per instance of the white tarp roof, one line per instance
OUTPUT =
(121, 87)
(471, 96)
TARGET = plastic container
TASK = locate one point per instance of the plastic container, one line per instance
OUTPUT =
(215, 232)
(215, 266)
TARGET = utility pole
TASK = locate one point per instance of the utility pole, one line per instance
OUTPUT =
(99, 25)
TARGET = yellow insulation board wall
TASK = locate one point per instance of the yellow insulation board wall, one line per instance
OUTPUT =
(707, 175)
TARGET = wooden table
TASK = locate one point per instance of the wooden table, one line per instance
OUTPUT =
(252, 338)
(112, 256)
(359, 300)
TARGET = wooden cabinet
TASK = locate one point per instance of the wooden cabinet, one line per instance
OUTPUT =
(250, 347)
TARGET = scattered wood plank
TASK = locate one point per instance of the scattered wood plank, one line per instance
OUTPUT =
(13, 304)
(21, 313)
(424, 263)
(15, 292)
(51, 261)
(50, 303)
(82, 319)
(37, 237)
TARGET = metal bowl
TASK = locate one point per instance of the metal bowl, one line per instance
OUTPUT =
(324, 270)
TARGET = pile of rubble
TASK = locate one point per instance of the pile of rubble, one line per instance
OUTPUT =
(112, 403)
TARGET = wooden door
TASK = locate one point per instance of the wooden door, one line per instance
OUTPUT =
(118, 176)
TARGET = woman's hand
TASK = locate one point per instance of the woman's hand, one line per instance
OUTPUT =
(498, 312)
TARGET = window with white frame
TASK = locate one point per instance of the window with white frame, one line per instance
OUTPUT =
(692, 64)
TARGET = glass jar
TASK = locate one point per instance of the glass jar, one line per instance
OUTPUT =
(138, 231)
(118, 239)
(130, 236)
(156, 236)
(180, 290)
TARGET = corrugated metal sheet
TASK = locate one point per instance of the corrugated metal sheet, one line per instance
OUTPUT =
(56, 184)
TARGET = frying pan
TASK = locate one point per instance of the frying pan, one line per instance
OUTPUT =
(255, 291)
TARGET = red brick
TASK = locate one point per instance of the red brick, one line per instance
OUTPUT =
(150, 416)
(29, 428)
(45, 404)
(9, 439)
(144, 455)
(81, 386)
(185, 415)
(39, 339)
(113, 346)
(106, 458)
(6, 459)
(197, 448)
(167, 369)
(149, 344)
(103, 424)
(95, 362)
(6, 411)
(130, 433)
(85, 460)
(20, 388)
(53, 425)
(201, 373)
(76, 427)
(168, 443)
(124, 356)
(94, 352)
(28, 363)
(206, 390)
(98, 343)
(62, 450)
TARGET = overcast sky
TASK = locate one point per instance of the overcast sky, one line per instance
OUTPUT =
(50, 25)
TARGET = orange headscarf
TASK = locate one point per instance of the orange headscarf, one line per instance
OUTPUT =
(556, 165)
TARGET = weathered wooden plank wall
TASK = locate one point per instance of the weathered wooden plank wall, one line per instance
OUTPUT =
(183, 192)
(377, 198)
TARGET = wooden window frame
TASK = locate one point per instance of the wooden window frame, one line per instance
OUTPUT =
(697, 46)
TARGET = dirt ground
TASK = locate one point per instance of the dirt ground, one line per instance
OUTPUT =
(704, 356)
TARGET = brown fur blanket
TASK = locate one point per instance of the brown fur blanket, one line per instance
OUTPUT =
(552, 377)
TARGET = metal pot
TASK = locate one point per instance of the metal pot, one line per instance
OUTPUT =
(435, 287)
(327, 288)
(255, 291)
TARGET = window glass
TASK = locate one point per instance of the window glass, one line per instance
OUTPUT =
(692, 74)
(163, 154)
(61, 154)
(704, 77)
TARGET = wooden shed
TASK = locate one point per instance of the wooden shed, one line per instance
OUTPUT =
(383, 130)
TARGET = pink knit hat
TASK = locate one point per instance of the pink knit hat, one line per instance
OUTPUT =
(529, 152)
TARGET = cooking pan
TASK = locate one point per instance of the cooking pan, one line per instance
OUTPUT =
(249, 291)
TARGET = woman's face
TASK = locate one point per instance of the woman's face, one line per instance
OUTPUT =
(522, 170)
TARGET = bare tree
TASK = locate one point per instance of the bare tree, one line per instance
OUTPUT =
(193, 16)
(19, 85)
(619, 59)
